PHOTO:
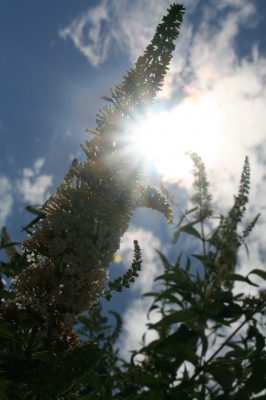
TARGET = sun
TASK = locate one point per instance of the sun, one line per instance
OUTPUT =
(192, 125)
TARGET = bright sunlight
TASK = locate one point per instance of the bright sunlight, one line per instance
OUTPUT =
(193, 125)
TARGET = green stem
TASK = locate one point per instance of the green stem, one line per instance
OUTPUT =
(224, 344)
(203, 238)
(236, 360)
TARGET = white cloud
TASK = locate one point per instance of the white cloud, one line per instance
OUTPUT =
(151, 264)
(115, 24)
(135, 317)
(230, 93)
(6, 200)
(222, 112)
(134, 323)
(223, 108)
(33, 187)
(86, 33)
(221, 116)
(38, 165)
(235, 91)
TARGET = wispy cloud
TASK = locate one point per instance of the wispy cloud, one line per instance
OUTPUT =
(6, 200)
(221, 114)
(33, 186)
(115, 25)
(222, 109)
(87, 33)
(229, 93)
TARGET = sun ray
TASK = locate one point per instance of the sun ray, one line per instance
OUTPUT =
(192, 125)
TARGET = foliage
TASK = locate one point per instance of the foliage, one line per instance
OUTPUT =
(74, 236)
(210, 339)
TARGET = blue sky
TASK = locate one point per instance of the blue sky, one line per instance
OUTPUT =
(58, 58)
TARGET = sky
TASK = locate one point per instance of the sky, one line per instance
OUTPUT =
(57, 59)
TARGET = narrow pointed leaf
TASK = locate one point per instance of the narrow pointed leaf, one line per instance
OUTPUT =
(190, 230)
(34, 211)
(3, 396)
(6, 330)
(259, 272)
(4, 294)
(237, 277)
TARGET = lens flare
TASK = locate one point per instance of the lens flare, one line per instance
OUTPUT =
(192, 125)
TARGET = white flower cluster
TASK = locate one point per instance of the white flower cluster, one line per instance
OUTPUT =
(70, 251)
(72, 247)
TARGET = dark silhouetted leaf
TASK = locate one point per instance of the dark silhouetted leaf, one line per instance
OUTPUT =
(259, 272)
(224, 297)
(177, 316)
(5, 294)
(237, 277)
(224, 376)
(7, 330)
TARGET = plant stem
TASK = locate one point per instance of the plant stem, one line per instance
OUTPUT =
(224, 344)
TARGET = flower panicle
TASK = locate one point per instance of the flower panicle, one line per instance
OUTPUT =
(71, 248)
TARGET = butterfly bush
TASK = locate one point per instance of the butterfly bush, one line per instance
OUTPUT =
(72, 247)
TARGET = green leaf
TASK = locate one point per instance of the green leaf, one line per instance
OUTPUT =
(5, 294)
(179, 276)
(164, 260)
(188, 263)
(184, 216)
(32, 223)
(177, 316)
(34, 211)
(176, 237)
(206, 261)
(151, 294)
(94, 381)
(42, 355)
(224, 297)
(259, 272)
(186, 229)
(260, 343)
(237, 352)
(204, 342)
(260, 397)
(149, 381)
(3, 383)
(237, 277)
(89, 397)
(224, 376)
(7, 330)
(230, 311)
(252, 331)
(153, 307)
(21, 370)
(3, 396)
(256, 381)
(153, 395)
(190, 230)
(181, 336)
